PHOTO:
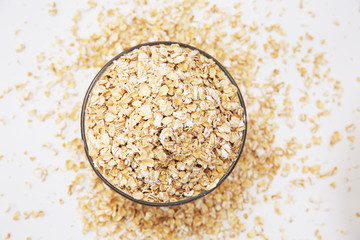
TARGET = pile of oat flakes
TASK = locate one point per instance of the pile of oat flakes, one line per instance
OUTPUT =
(164, 123)
(221, 214)
(218, 214)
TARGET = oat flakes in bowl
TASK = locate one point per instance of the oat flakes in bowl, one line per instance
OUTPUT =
(163, 123)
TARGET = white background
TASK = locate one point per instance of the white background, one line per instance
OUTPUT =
(330, 210)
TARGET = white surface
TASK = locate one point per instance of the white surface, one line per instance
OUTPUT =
(336, 212)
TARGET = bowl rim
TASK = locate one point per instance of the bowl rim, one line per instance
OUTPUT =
(116, 189)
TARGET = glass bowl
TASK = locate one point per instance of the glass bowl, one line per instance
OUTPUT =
(116, 189)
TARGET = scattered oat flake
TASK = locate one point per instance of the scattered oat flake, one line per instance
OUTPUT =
(53, 9)
(6, 207)
(316, 140)
(37, 214)
(92, 3)
(277, 208)
(40, 58)
(336, 137)
(71, 166)
(20, 48)
(16, 216)
(351, 138)
(319, 104)
(259, 220)
(41, 173)
(251, 233)
(350, 128)
(317, 234)
(329, 173)
(301, 4)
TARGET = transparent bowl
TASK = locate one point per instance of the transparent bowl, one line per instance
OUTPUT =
(116, 189)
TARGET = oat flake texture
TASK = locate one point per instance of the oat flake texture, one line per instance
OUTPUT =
(164, 123)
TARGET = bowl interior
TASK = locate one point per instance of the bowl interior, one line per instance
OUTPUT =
(83, 134)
